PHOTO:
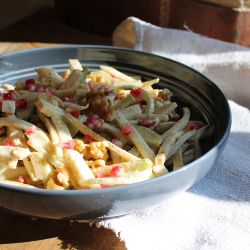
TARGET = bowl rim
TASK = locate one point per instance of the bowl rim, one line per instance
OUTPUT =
(149, 182)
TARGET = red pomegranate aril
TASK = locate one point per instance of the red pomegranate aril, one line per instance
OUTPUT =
(104, 185)
(116, 171)
(29, 82)
(127, 130)
(192, 126)
(9, 96)
(21, 179)
(97, 123)
(31, 88)
(74, 112)
(68, 144)
(100, 175)
(146, 122)
(39, 89)
(21, 104)
(9, 144)
(136, 92)
(93, 122)
(117, 142)
(31, 130)
(88, 138)
(49, 92)
(91, 118)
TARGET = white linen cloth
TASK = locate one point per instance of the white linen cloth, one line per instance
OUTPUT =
(215, 213)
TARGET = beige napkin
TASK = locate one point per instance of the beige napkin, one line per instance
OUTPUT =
(215, 213)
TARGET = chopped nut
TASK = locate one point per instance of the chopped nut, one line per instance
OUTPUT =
(93, 150)
(164, 95)
(96, 163)
(62, 176)
(98, 150)
(80, 146)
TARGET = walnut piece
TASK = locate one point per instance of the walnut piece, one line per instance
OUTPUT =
(164, 95)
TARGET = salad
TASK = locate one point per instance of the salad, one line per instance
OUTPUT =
(90, 130)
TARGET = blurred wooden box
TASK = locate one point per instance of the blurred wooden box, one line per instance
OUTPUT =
(228, 20)
(212, 20)
(230, 3)
(102, 16)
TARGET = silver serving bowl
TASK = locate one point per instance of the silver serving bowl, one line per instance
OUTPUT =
(190, 88)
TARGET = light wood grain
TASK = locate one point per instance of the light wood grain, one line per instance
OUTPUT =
(6, 47)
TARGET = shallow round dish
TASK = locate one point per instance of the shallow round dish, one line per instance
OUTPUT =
(190, 88)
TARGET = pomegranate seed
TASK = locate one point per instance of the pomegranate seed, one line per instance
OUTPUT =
(104, 185)
(30, 130)
(117, 142)
(136, 92)
(21, 104)
(146, 122)
(68, 144)
(127, 130)
(100, 175)
(94, 122)
(49, 92)
(74, 112)
(91, 118)
(39, 89)
(21, 179)
(9, 96)
(9, 143)
(88, 138)
(98, 123)
(116, 171)
(29, 82)
(192, 125)
(31, 88)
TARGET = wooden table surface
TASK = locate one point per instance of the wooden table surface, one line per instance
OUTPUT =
(18, 232)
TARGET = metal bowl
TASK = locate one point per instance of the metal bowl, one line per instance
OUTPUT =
(190, 88)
